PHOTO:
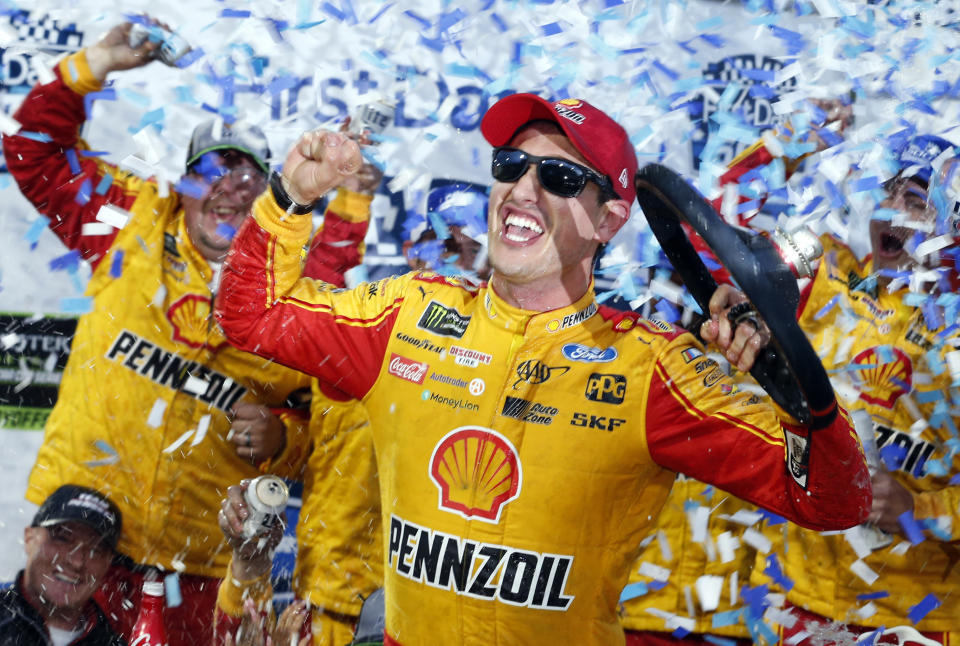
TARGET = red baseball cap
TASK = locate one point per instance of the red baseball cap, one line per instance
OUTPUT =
(600, 139)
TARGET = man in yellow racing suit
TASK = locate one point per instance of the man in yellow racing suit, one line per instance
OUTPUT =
(523, 450)
(148, 411)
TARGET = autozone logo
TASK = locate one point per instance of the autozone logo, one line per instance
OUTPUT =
(413, 371)
(479, 570)
(610, 389)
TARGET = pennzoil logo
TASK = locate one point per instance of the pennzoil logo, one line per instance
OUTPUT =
(885, 375)
(477, 471)
(169, 370)
(443, 320)
(192, 323)
(478, 570)
(563, 109)
(570, 320)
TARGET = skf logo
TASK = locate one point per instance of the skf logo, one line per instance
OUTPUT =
(443, 320)
(534, 372)
(883, 378)
(477, 472)
(610, 389)
(408, 369)
(596, 421)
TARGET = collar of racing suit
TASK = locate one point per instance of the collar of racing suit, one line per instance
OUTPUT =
(523, 321)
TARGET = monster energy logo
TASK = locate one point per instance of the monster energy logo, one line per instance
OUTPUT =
(443, 320)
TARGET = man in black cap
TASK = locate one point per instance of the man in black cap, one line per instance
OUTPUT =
(69, 546)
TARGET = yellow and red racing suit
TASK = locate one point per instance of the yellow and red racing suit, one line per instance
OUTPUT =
(884, 358)
(522, 454)
(141, 413)
(886, 353)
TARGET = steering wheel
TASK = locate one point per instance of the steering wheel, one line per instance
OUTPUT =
(788, 368)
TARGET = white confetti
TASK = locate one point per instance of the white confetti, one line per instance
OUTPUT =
(708, 589)
(699, 517)
(755, 539)
(97, 229)
(202, 426)
(727, 544)
(113, 215)
(867, 611)
(177, 443)
(155, 419)
(863, 571)
(9, 340)
(8, 125)
(664, 542)
(655, 572)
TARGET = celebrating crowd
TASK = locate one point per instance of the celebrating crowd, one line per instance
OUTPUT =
(501, 453)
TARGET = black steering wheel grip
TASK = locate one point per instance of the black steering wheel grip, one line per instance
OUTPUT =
(788, 368)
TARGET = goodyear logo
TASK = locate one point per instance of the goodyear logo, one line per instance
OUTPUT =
(610, 389)
(443, 320)
(167, 369)
(479, 570)
(476, 471)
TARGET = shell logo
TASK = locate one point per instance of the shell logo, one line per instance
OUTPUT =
(477, 471)
(192, 322)
(571, 103)
(883, 381)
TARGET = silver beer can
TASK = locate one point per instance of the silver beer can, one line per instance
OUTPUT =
(373, 117)
(266, 498)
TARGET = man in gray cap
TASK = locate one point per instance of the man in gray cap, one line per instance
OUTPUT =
(156, 409)
(69, 546)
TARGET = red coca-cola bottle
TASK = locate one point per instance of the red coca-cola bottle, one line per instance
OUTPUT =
(149, 629)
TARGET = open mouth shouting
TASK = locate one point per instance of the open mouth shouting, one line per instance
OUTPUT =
(520, 229)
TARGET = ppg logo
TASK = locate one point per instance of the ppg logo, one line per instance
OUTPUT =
(610, 389)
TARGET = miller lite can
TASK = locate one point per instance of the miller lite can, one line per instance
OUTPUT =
(373, 118)
(266, 498)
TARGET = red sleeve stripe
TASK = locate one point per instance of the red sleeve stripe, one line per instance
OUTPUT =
(322, 307)
(697, 413)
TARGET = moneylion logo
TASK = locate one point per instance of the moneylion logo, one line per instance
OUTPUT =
(534, 372)
(443, 320)
(477, 471)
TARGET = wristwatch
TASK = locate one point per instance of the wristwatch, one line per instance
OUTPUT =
(283, 199)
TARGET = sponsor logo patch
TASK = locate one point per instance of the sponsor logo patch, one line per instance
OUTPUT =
(528, 411)
(479, 570)
(535, 372)
(408, 369)
(570, 320)
(690, 354)
(601, 422)
(586, 354)
(567, 113)
(423, 344)
(476, 471)
(443, 320)
(477, 386)
(610, 389)
(172, 371)
(798, 457)
(467, 357)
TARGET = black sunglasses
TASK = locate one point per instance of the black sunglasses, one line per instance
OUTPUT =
(559, 176)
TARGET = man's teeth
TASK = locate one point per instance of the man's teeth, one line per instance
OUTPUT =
(66, 579)
(521, 222)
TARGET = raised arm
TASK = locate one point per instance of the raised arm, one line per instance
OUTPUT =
(265, 306)
(52, 165)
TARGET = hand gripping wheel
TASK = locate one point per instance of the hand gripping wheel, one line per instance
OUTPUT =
(788, 369)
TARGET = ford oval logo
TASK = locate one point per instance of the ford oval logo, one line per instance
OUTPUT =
(586, 354)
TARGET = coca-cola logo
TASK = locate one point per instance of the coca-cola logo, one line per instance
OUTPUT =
(414, 371)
